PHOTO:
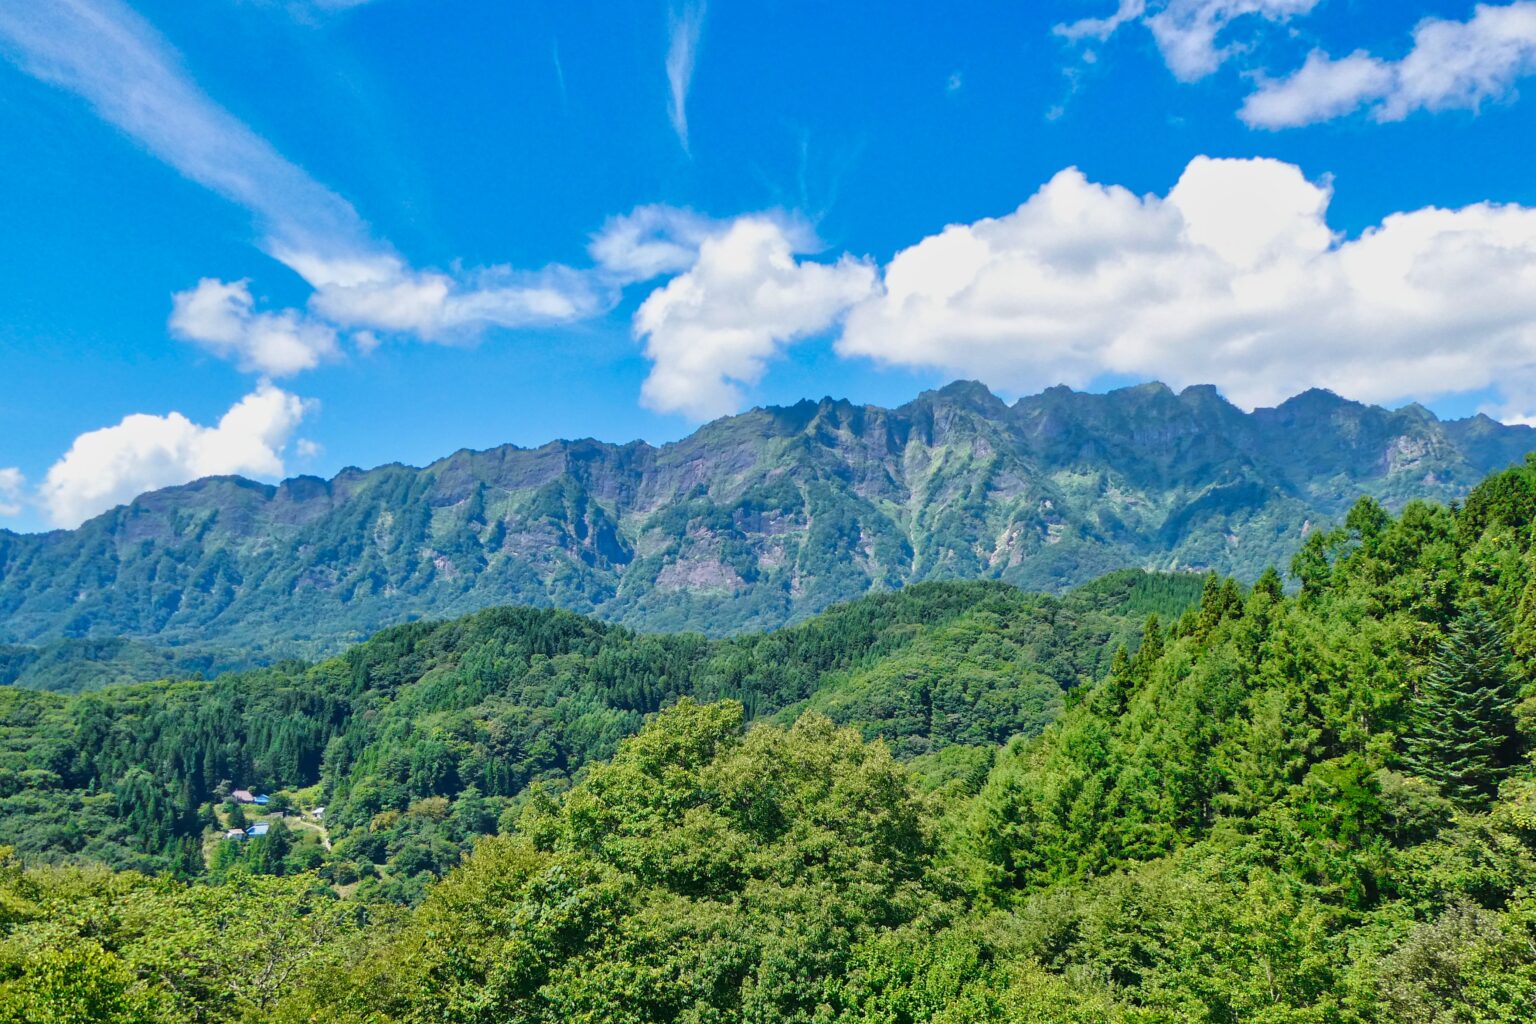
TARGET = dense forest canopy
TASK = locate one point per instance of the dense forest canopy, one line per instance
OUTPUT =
(1278, 804)
(431, 734)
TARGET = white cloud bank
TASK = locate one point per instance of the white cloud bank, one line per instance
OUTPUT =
(1233, 278)
(113, 465)
(715, 327)
(1452, 65)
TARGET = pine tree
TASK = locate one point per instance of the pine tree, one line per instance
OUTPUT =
(1115, 691)
(1151, 647)
(1462, 726)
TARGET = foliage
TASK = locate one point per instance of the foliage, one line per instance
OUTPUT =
(86, 946)
(1462, 723)
(428, 736)
(1253, 814)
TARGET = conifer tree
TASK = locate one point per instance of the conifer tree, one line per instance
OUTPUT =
(1151, 645)
(1116, 688)
(1462, 726)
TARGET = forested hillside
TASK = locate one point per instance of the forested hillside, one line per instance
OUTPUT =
(431, 734)
(1285, 808)
(752, 522)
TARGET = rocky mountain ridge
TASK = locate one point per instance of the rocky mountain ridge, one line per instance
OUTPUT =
(751, 522)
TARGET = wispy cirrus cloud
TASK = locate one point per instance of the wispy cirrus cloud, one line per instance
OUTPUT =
(686, 22)
(114, 59)
(1192, 35)
(110, 56)
(1104, 27)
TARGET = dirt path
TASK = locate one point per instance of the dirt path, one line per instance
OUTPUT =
(300, 821)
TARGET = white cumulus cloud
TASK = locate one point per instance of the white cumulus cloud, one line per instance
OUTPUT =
(1453, 65)
(11, 485)
(1321, 89)
(220, 316)
(1233, 278)
(715, 327)
(650, 241)
(113, 465)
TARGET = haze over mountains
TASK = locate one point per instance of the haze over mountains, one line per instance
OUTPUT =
(752, 522)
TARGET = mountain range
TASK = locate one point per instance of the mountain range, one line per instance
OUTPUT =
(751, 522)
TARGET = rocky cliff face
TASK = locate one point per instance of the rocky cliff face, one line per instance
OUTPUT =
(753, 521)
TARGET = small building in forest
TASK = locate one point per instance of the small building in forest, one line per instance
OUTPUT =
(243, 796)
(236, 833)
(257, 830)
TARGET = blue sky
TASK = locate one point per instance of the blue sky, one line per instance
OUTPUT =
(276, 237)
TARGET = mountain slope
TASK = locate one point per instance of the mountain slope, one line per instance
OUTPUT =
(752, 522)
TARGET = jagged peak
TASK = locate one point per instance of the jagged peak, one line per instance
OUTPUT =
(1145, 390)
(1482, 423)
(1418, 411)
(1318, 398)
(303, 486)
(972, 396)
(965, 389)
(1151, 388)
(968, 394)
(219, 482)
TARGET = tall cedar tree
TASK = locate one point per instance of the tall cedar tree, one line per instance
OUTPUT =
(1462, 725)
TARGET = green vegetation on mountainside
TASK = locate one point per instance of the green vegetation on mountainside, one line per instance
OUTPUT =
(1306, 808)
(753, 522)
(430, 734)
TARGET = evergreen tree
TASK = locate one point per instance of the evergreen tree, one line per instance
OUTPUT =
(235, 815)
(269, 852)
(1116, 688)
(1462, 725)
(1151, 647)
